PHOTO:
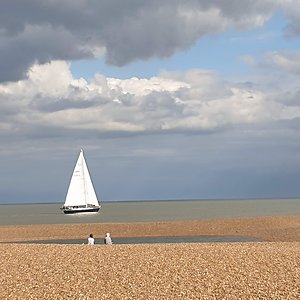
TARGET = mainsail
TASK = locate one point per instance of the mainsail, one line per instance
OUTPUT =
(81, 192)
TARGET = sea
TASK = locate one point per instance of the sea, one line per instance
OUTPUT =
(147, 211)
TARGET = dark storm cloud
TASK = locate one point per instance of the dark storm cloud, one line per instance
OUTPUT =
(39, 31)
(36, 45)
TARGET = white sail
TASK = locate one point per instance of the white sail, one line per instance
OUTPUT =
(81, 191)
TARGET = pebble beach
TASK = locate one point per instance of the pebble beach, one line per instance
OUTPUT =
(268, 269)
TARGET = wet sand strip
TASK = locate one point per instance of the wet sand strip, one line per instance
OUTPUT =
(150, 240)
(276, 229)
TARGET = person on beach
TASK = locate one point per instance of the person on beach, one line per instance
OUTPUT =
(107, 239)
(91, 240)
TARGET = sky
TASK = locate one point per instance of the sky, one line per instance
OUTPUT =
(169, 99)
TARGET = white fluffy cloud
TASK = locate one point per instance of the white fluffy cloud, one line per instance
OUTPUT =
(51, 99)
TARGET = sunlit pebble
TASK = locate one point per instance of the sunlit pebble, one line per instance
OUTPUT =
(163, 271)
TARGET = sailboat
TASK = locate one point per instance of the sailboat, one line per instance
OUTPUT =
(81, 196)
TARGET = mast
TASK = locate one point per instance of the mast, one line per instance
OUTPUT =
(84, 179)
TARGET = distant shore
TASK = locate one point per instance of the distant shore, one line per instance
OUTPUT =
(274, 229)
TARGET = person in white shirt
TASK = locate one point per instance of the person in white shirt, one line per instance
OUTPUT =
(107, 239)
(91, 240)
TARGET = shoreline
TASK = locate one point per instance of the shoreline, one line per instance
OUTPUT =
(269, 229)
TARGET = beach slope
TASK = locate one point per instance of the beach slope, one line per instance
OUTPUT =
(157, 271)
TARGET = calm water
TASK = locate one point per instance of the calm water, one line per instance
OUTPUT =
(144, 211)
(153, 240)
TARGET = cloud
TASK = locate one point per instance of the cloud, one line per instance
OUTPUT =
(52, 102)
(292, 10)
(287, 61)
(40, 32)
(276, 75)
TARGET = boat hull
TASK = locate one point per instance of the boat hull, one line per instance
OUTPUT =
(80, 210)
